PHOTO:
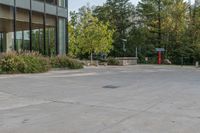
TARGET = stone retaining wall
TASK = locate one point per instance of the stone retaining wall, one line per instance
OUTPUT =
(127, 60)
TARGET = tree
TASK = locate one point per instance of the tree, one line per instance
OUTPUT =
(194, 31)
(171, 24)
(74, 31)
(88, 35)
(73, 47)
(119, 13)
(166, 22)
(95, 36)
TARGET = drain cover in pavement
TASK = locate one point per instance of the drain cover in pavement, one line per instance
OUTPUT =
(110, 87)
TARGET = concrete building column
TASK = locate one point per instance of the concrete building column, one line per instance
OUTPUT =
(61, 37)
(8, 41)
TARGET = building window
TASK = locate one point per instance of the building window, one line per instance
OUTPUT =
(38, 32)
(50, 35)
(53, 2)
(22, 30)
(62, 3)
(40, 0)
(7, 28)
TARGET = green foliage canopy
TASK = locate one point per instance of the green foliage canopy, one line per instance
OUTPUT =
(88, 35)
(170, 24)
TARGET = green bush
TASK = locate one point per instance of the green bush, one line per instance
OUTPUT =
(65, 62)
(34, 63)
(113, 61)
(10, 62)
(23, 63)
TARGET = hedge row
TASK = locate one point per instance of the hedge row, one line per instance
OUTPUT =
(34, 63)
(65, 62)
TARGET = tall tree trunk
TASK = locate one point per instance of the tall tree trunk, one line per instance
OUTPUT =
(159, 23)
(91, 58)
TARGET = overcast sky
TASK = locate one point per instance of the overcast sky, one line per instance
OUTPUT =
(76, 4)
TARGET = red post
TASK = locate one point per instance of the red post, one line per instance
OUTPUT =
(159, 57)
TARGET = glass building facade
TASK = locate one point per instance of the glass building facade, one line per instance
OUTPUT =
(34, 25)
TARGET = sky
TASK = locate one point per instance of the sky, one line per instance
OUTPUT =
(76, 4)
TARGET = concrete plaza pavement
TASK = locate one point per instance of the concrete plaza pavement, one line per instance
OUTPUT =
(131, 99)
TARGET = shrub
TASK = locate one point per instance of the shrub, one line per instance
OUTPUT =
(9, 63)
(65, 62)
(23, 63)
(113, 61)
(34, 63)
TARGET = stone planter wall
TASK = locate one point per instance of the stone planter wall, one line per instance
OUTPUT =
(124, 61)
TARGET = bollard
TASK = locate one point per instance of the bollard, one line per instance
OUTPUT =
(97, 63)
(197, 64)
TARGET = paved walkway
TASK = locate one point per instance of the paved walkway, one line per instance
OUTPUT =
(132, 99)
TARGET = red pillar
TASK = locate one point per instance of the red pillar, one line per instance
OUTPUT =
(159, 57)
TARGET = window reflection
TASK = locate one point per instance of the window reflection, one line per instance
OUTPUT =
(38, 32)
(22, 30)
(22, 26)
(53, 2)
(6, 28)
(61, 3)
(40, 0)
(51, 35)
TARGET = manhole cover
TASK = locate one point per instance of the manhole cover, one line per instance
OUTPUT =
(111, 87)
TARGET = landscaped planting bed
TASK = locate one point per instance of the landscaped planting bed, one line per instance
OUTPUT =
(32, 62)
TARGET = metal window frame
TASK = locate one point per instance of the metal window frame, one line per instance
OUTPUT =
(22, 39)
(67, 30)
(1, 41)
(14, 25)
(44, 28)
(30, 26)
(48, 44)
(57, 41)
